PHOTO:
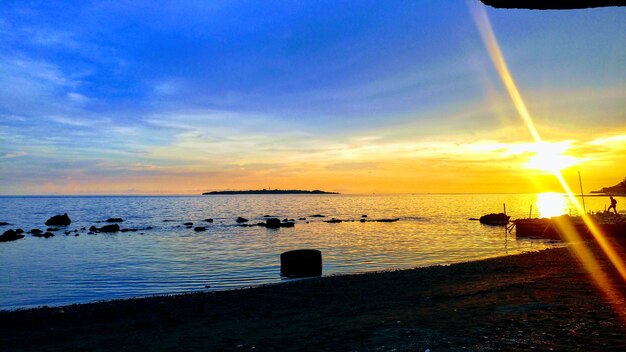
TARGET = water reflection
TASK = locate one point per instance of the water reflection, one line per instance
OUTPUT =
(551, 204)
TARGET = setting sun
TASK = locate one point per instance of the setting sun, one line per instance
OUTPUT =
(550, 204)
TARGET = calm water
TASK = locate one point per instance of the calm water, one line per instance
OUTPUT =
(433, 229)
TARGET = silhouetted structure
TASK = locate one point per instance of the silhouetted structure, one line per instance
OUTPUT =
(301, 263)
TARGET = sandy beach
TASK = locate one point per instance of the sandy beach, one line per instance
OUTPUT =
(540, 301)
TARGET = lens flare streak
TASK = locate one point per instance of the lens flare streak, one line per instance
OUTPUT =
(565, 228)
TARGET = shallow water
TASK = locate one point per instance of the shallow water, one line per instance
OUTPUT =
(433, 229)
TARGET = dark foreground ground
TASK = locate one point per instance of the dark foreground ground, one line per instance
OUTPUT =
(536, 301)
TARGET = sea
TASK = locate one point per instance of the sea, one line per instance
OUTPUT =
(171, 258)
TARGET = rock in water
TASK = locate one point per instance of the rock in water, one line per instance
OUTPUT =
(114, 220)
(272, 223)
(59, 220)
(110, 228)
(500, 219)
(301, 263)
(2, 223)
(208, 220)
(10, 235)
(240, 220)
(199, 228)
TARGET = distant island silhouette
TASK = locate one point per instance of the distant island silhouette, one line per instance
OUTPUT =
(268, 191)
(619, 188)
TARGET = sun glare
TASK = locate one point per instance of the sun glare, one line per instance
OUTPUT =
(551, 204)
(549, 157)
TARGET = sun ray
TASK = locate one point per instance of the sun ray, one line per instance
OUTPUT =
(569, 232)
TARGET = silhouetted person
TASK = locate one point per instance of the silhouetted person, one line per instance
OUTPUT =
(613, 205)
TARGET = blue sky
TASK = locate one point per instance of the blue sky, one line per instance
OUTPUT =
(121, 96)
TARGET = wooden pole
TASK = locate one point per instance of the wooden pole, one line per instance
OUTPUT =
(530, 215)
(582, 195)
(504, 208)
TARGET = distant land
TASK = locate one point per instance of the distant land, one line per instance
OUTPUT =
(268, 191)
(619, 188)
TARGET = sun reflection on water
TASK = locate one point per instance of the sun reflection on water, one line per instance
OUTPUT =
(551, 204)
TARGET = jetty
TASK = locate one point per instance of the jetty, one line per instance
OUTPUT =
(611, 225)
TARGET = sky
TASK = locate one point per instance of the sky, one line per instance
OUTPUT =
(181, 97)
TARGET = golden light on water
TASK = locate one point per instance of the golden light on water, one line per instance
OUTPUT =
(555, 161)
(551, 204)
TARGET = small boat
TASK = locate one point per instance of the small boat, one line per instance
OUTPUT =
(500, 219)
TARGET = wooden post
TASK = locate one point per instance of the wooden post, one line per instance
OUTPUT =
(582, 195)
(504, 208)
(530, 215)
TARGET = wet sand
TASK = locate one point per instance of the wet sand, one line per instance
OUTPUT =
(540, 301)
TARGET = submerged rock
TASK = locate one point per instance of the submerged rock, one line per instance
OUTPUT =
(272, 223)
(387, 220)
(208, 220)
(333, 221)
(110, 228)
(114, 220)
(199, 228)
(93, 228)
(188, 223)
(18, 231)
(52, 229)
(240, 220)
(10, 235)
(59, 220)
(287, 224)
(2, 223)
(35, 231)
(317, 216)
(500, 219)
(46, 234)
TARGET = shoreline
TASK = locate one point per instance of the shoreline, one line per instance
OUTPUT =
(541, 299)
(269, 284)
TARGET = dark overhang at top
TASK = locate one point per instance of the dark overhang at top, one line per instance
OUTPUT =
(552, 4)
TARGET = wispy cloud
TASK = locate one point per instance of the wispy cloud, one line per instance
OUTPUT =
(12, 155)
